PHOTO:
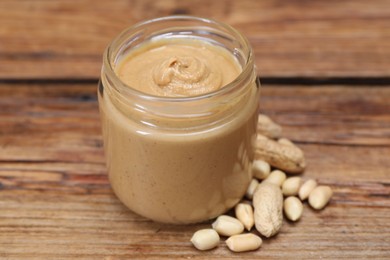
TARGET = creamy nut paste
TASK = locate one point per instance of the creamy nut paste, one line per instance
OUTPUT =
(178, 68)
(181, 176)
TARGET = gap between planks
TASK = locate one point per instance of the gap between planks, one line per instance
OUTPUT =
(274, 81)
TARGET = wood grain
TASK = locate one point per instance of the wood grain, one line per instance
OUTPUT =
(326, 38)
(56, 202)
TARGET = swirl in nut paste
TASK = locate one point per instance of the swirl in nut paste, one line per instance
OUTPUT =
(178, 68)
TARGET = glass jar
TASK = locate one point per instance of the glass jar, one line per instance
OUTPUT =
(179, 159)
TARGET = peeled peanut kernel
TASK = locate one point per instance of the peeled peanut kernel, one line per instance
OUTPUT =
(251, 188)
(320, 196)
(244, 242)
(306, 188)
(291, 186)
(285, 141)
(228, 226)
(293, 208)
(244, 213)
(205, 239)
(276, 177)
(260, 169)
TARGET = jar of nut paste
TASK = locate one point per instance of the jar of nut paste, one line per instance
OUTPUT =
(178, 99)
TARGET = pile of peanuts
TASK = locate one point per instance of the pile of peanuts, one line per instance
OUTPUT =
(270, 193)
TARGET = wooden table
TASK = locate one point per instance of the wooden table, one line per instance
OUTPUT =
(325, 69)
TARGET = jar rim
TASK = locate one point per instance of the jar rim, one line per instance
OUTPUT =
(246, 69)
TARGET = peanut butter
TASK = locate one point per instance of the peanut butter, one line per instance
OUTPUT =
(178, 68)
(177, 136)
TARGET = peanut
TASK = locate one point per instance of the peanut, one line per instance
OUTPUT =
(228, 226)
(268, 204)
(306, 188)
(244, 213)
(285, 141)
(291, 186)
(260, 169)
(293, 208)
(267, 127)
(276, 177)
(320, 196)
(288, 158)
(251, 188)
(243, 242)
(205, 239)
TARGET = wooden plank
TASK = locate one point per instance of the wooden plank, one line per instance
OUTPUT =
(343, 115)
(56, 202)
(66, 39)
(51, 226)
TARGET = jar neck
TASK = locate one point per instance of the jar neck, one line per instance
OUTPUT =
(185, 112)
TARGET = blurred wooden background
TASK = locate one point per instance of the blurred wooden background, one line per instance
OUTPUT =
(325, 69)
(300, 38)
